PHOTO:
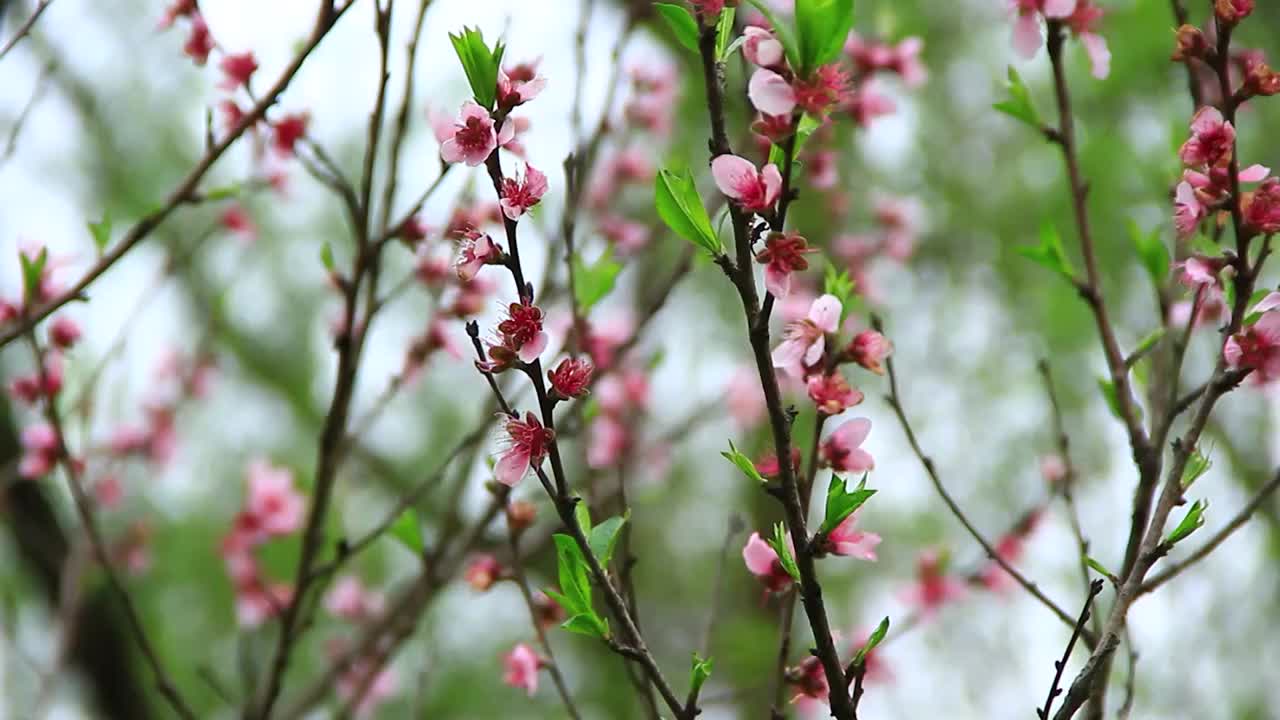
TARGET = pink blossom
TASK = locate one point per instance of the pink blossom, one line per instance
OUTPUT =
(805, 340)
(770, 93)
(754, 190)
(522, 332)
(1200, 271)
(200, 42)
(1262, 208)
(473, 137)
(1257, 347)
(482, 572)
(626, 235)
(1053, 468)
(842, 449)
(822, 169)
(273, 502)
(256, 602)
(1232, 11)
(64, 332)
(572, 377)
(1008, 548)
(822, 90)
(179, 8)
(761, 47)
(865, 103)
(1212, 139)
(521, 668)
(845, 540)
(477, 250)
(520, 84)
(349, 599)
(39, 450)
(1188, 210)
(832, 393)
(870, 349)
(377, 690)
(763, 562)
(287, 131)
(108, 491)
(237, 68)
(235, 219)
(528, 442)
(1027, 38)
(783, 254)
(607, 440)
(906, 62)
(744, 397)
(520, 195)
(933, 587)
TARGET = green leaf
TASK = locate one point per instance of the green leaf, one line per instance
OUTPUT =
(1108, 389)
(724, 32)
(572, 570)
(780, 546)
(591, 283)
(1197, 464)
(1019, 105)
(583, 515)
(841, 503)
(1151, 251)
(479, 63)
(1049, 252)
(1150, 341)
(877, 636)
(680, 207)
(699, 674)
(1098, 567)
(804, 129)
(101, 232)
(821, 29)
(587, 623)
(838, 283)
(681, 22)
(326, 256)
(408, 530)
(780, 31)
(743, 462)
(604, 537)
(1191, 522)
(226, 192)
(32, 269)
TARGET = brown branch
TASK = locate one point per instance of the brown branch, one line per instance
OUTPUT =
(25, 28)
(327, 17)
(1095, 588)
(895, 402)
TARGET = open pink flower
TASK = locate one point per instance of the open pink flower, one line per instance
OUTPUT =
(1083, 22)
(842, 450)
(522, 331)
(351, 600)
(771, 93)
(754, 190)
(845, 540)
(528, 442)
(906, 62)
(273, 502)
(572, 377)
(477, 250)
(804, 340)
(520, 84)
(783, 254)
(1212, 139)
(472, 137)
(763, 562)
(1258, 345)
(521, 668)
(933, 587)
(832, 393)
(520, 195)
(237, 68)
(287, 131)
(761, 47)
(1188, 210)
(822, 90)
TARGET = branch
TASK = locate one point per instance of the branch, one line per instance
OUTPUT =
(513, 539)
(1094, 589)
(895, 402)
(25, 28)
(1175, 568)
(326, 19)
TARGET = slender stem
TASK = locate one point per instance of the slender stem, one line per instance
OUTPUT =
(513, 540)
(1094, 589)
(25, 28)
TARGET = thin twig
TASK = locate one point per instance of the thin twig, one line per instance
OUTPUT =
(25, 28)
(1060, 665)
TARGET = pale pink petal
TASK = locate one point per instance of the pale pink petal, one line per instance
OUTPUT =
(1059, 8)
(1232, 352)
(825, 313)
(733, 175)
(777, 281)
(511, 467)
(859, 460)
(472, 110)
(814, 354)
(507, 132)
(1254, 173)
(1270, 302)
(1099, 54)
(450, 151)
(532, 349)
(772, 183)
(535, 181)
(861, 545)
(1026, 35)
(1206, 120)
(787, 356)
(853, 433)
(510, 209)
(758, 556)
(770, 93)
(441, 125)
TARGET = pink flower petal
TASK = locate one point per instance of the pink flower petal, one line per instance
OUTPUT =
(825, 313)
(532, 349)
(1254, 173)
(1059, 8)
(758, 556)
(853, 433)
(1099, 54)
(772, 183)
(511, 467)
(734, 176)
(1026, 35)
(777, 281)
(770, 93)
